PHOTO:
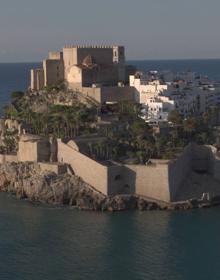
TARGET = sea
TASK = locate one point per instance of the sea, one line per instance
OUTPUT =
(41, 242)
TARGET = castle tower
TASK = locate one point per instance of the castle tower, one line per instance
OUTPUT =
(118, 54)
(119, 59)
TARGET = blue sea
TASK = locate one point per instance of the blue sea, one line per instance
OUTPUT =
(39, 242)
(14, 76)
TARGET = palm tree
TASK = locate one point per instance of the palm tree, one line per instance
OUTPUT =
(189, 126)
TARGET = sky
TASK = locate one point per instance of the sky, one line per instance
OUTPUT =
(149, 29)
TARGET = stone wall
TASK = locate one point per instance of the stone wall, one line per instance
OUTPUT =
(121, 180)
(89, 170)
(94, 93)
(216, 169)
(112, 94)
(159, 180)
(150, 180)
(56, 55)
(201, 158)
(53, 167)
(33, 149)
(100, 55)
(106, 94)
(43, 150)
(37, 79)
(103, 75)
(214, 166)
(178, 170)
(110, 178)
(74, 76)
(198, 160)
(27, 151)
(8, 158)
(53, 71)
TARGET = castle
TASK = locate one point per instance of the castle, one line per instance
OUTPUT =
(99, 72)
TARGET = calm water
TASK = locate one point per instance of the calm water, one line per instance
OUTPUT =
(205, 67)
(39, 242)
(14, 76)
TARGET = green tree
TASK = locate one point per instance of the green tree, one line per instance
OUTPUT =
(189, 126)
(17, 94)
(175, 118)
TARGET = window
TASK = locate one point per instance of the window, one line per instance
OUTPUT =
(117, 177)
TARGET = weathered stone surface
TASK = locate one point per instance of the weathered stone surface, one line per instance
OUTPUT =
(142, 204)
(28, 181)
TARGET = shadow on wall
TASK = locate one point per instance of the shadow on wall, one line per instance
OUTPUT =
(121, 180)
(203, 158)
(194, 159)
(130, 180)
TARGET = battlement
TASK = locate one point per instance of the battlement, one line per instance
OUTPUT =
(108, 62)
(91, 47)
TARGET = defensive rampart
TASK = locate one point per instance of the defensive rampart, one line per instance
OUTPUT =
(89, 170)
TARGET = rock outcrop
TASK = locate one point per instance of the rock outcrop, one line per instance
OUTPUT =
(38, 101)
(28, 181)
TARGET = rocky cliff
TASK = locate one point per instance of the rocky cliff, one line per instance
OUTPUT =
(27, 181)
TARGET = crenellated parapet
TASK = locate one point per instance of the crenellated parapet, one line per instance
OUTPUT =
(91, 46)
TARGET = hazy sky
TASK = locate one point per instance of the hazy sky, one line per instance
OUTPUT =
(149, 29)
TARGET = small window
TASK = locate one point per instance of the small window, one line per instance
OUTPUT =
(117, 177)
(126, 186)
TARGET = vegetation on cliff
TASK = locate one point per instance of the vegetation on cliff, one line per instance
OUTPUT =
(127, 139)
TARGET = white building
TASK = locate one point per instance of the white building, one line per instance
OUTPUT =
(149, 93)
(188, 93)
(145, 89)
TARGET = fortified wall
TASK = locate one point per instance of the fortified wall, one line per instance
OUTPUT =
(106, 94)
(156, 180)
(159, 180)
(106, 177)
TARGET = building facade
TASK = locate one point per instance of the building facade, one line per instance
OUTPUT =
(150, 93)
(82, 66)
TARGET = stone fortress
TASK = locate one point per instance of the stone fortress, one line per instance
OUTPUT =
(99, 72)
(191, 175)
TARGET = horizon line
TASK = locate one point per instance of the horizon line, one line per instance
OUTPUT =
(135, 60)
